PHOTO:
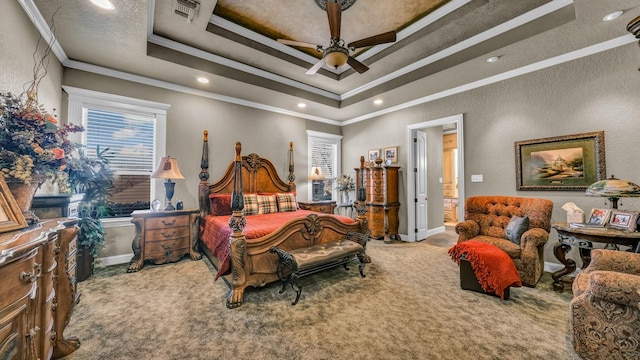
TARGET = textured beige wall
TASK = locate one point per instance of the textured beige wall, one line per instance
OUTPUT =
(598, 92)
(264, 133)
(18, 38)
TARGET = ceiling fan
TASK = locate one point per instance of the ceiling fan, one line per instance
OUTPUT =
(337, 54)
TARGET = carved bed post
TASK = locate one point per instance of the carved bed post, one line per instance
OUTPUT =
(292, 177)
(361, 207)
(237, 240)
(203, 187)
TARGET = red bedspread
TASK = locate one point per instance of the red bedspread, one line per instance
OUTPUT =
(493, 267)
(215, 231)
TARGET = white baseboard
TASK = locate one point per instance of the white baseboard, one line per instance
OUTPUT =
(114, 260)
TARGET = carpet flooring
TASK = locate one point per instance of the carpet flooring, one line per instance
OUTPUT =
(410, 306)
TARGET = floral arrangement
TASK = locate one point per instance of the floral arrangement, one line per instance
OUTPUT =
(31, 143)
(346, 183)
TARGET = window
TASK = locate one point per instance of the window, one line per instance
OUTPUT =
(324, 152)
(135, 133)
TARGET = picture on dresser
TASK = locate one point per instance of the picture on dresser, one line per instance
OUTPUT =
(374, 154)
(570, 162)
(391, 153)
(11, 217)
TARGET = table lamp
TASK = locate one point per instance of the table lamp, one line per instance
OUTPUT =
(613, 189)
(168, 169)
(317, 182)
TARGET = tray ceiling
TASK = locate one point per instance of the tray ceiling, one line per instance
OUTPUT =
(442, 44)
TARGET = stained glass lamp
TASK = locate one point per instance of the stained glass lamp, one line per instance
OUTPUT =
(613, 189)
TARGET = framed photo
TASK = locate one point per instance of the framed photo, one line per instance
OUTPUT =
(624, 220)
(598, 217)
(374, 154)
(571, 162)
(11, 217)
(391, 153)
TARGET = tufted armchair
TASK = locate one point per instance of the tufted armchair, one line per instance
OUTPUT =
(605, 320)
(486, 218)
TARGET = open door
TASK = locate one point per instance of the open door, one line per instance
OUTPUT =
(420, 175)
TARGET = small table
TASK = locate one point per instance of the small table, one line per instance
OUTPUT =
(583, 238)
(164, 236)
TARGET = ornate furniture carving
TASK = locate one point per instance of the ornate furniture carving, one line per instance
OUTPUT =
(486, 218)
(251, 262)
(584, 238)
(326, 207)
(605, 320)
(310, 260)
(38, 290)
(381, 186)
(164, 236)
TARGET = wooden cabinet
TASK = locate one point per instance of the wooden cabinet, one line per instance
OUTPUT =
(37, 294)
(381, 185)
(326, 207)
(164, 236)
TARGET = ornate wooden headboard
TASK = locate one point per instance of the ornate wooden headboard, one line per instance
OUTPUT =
(258, 175)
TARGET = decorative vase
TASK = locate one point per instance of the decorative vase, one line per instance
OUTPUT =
(24, 193)
(345, 197)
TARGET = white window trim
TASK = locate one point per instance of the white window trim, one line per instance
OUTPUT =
(337, 139)
(83, 98)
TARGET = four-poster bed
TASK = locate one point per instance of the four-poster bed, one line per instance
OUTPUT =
(237, 239)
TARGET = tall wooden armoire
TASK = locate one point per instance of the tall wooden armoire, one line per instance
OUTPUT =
(381, 184)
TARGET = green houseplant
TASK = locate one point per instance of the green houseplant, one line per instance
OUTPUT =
(93, 177)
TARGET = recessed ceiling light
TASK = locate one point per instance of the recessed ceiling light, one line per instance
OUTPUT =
(302, 105)
(614, 15)
(103, 4)
(493, 59)
(203, 80)
(377, 101)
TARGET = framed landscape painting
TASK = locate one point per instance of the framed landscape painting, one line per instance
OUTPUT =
(571, 162)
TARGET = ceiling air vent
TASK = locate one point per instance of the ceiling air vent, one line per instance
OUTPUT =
(186, 8)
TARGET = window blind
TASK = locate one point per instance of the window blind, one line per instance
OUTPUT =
(130, 140)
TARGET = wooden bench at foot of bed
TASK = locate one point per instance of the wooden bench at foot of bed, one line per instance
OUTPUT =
(316, 258)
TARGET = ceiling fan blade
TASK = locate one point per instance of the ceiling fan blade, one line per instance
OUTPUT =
(387, 37)
(334, 12)
(357, 65)
(314, 69)
(298, 43)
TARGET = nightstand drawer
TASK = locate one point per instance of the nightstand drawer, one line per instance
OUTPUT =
(73, 246)
(161, 247)
(166, 222)
(167, 233)
(323, 208)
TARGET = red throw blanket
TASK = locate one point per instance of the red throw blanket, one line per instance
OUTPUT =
(494, 269)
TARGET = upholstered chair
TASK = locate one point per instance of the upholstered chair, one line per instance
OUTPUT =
(605, 320)
(486, 219)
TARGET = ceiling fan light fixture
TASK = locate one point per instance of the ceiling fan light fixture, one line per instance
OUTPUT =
(335, 59)
(612, 16)
(104, 4)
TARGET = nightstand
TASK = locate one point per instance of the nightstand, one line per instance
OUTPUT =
(164, 236)
(318, 206)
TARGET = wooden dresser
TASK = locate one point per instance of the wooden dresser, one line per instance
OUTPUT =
(37, 290)
(164, 236)
(381, 184)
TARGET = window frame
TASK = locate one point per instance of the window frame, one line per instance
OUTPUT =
(81, 99)
(316, 136)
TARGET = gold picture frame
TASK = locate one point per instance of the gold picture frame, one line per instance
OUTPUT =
(571, 162)
(11, 217)
(391, 153)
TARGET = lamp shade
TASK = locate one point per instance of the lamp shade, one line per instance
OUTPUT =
(316, 174)
(167, 169)
(613, 187)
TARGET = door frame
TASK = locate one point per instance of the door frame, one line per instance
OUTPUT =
(411, 211)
